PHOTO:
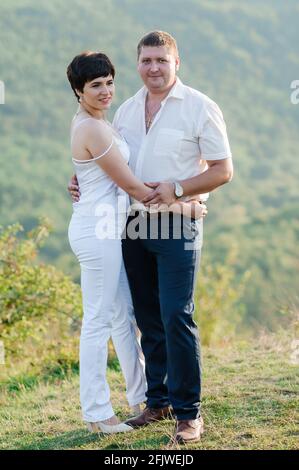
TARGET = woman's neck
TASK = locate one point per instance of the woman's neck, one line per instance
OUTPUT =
(95, 113)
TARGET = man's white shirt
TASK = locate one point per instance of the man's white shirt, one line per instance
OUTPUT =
(188, 130)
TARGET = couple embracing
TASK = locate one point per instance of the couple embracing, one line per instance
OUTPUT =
(165, 150)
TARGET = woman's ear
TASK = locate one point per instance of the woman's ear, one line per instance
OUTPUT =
(80, 94)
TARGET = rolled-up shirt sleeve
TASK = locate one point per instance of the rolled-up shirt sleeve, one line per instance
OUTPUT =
(213, 139)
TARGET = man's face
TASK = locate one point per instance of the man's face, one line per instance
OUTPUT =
(157, 67)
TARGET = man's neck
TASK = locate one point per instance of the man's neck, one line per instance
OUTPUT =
(159, 96)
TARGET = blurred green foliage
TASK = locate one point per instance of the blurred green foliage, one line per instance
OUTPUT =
(242, 54)
(218, 300)
(40, 307)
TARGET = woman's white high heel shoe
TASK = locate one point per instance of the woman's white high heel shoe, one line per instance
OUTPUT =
(108, 428)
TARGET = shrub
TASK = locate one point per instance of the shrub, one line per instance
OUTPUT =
(219, 311)
(40, 307)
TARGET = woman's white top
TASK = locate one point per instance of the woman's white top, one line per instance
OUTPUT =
(99, 193)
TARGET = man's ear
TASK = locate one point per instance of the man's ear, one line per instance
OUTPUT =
(177, 63)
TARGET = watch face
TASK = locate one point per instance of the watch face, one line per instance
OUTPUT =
(178, 190)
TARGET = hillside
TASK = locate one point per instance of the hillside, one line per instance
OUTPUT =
(239, 53)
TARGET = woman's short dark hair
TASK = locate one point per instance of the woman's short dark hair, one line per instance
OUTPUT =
(87, 66)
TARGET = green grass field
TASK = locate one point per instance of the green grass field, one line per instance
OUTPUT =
(250, 401)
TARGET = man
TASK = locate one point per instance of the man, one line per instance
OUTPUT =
(179, 146)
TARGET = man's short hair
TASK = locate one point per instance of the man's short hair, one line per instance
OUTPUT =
(156, 39)
(87, 66)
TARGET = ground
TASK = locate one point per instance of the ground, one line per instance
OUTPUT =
(250, 401)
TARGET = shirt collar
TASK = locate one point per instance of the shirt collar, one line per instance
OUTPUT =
(177, 91)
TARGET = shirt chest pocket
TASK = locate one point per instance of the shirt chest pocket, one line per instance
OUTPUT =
(168, 142)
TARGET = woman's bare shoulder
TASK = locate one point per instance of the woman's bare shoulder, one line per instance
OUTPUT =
(91, 127)
(97, 127)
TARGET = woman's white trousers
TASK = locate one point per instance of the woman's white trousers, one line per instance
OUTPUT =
(107, 312)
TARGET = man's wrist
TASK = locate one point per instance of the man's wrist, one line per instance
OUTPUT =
(178, 190)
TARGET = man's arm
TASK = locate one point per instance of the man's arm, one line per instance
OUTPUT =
(218, 173)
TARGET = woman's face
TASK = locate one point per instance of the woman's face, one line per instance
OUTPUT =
(98, 93)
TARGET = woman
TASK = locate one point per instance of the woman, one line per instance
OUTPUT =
(100, 157)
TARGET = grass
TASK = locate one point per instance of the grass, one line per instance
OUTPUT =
(250, 401)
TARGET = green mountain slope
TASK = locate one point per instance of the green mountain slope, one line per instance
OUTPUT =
(242, 54)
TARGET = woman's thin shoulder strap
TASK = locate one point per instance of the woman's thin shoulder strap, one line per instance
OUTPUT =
(95, 158)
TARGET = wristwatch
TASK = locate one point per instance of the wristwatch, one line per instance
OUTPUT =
(178, 189)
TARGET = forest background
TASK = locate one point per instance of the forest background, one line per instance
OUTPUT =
(244, 55)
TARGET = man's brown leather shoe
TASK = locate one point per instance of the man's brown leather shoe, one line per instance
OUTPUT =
(188, 430)
(148, 416)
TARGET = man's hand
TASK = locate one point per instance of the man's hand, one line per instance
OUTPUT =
(163, 194)
(73, 189)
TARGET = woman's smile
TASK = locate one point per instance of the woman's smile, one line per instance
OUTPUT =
(106, 100)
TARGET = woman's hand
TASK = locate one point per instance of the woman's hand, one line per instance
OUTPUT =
(163, 196)
(192, 208)
(199, 209)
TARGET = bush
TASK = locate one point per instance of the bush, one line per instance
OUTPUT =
(219, 311)
(40, 307)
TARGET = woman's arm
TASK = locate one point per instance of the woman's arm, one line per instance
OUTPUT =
(97, 141)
